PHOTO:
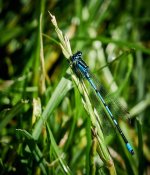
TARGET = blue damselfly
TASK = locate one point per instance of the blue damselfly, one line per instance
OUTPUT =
(80, 68)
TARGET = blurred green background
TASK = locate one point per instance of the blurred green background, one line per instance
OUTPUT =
(103, 30)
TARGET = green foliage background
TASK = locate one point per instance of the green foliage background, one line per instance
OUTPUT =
(44, 128)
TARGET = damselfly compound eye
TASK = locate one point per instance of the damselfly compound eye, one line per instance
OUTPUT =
(79, 53)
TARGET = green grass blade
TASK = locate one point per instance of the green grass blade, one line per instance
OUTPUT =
(89, 143)
(120, 43)
(57, 153)
(9, 34)
(61, 90)
(34, 149)
(140, 149)
(8, 114)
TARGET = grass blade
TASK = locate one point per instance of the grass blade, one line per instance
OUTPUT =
(61, 90)
(9, 114)
(34, 149)
(57, 154)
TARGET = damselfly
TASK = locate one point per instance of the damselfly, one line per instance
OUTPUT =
(80, 68)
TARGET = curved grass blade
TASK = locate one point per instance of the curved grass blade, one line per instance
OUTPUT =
(8, 114)
(123, 55)
(35, 150)
(61, 90)
(57, 154)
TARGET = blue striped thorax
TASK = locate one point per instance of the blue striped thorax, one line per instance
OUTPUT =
(78, 65)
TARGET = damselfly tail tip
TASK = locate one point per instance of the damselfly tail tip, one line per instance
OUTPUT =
(130, 148)
(132, 152)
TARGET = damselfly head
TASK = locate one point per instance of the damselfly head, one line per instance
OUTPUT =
(77, 55)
